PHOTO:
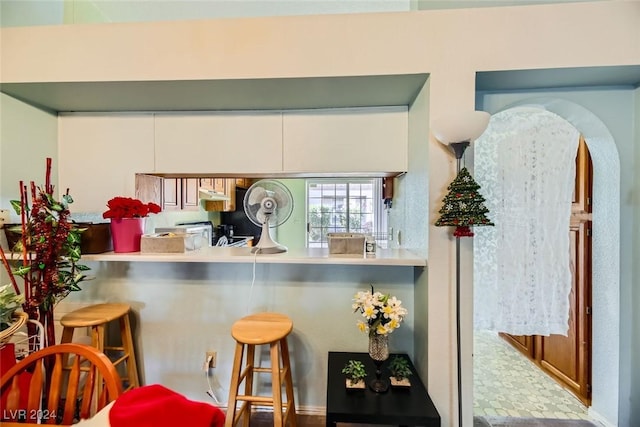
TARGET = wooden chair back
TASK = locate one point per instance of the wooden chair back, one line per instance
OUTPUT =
(68, 382)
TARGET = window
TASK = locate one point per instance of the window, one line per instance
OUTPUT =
(344, 205)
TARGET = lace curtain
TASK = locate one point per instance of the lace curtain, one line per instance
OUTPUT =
(525, 163)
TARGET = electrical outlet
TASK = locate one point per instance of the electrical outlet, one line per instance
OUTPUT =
(211, 358)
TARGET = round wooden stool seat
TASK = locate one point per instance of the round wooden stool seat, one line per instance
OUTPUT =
(96, 318)
(269, 329)
(261, 328)
(94, 315)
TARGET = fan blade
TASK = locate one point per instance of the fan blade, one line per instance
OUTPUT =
(281, 199)
(256, 195)
(252, 213)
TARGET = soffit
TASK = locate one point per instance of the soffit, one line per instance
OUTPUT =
(208, 95)
(494, 81)
(292, 93)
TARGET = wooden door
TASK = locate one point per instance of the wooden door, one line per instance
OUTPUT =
(567, 359)
(524, 343)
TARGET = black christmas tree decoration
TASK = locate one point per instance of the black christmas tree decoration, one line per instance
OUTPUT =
(463, 206)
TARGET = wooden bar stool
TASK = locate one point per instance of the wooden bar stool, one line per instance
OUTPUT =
(261, 329)
(96, 317)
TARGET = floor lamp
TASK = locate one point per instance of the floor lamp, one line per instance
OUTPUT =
(457, 131)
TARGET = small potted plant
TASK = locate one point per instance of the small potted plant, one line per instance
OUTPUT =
(10, 319)
(355, 372)
(400, 372)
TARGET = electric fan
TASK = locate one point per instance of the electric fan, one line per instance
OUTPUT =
(268, 204)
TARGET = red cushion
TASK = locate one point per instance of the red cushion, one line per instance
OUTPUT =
(7, 360)
(157, 406)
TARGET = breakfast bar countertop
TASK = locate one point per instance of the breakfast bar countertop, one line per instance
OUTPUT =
(386, 257)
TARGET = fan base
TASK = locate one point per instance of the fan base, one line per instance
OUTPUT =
(269, 250)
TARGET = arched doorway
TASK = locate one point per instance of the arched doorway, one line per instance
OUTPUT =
(606, 243)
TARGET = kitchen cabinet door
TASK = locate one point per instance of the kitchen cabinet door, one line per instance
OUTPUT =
(218, 185)
(171, 194)
(99, 156)
(208, 183)
(225, 142)
(190, 197)
(346, 140)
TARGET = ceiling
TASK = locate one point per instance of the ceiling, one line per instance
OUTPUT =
(292, 93)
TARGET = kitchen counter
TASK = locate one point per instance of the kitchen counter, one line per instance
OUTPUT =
(387, 257)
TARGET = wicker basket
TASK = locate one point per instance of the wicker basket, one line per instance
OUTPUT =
(20, 318)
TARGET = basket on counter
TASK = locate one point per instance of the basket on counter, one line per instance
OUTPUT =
(346, 243)
(20, 318)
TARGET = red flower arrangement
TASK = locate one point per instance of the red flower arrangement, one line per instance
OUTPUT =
(126, 207)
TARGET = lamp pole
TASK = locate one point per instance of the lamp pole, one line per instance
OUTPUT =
(458, 149)
(463, 127)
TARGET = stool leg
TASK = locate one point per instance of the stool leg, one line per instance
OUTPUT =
(288, 381)
(127, 343)
(97, 341)
(97, 337)
(67, 335)
(276, 385)
(235, 384)
(248, 383)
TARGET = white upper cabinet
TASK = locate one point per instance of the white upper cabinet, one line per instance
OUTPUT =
(99, 156)
(346, 140)
(205, 143)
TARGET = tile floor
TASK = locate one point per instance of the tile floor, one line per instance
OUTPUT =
(506, 383)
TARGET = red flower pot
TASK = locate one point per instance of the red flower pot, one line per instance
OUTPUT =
(126, 234)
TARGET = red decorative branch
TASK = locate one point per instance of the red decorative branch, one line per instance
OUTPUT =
(47, 177)
(5, 262)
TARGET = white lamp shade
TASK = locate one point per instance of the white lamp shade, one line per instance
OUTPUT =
(460, 126)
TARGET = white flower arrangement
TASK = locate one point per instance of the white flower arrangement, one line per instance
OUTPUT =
(383, 313)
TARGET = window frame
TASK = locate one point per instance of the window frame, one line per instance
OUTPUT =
(379, 220)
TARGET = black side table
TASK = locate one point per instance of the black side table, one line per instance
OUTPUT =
(410, 406)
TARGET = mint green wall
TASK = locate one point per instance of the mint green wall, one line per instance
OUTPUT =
(17, 13)
(635, 295)
(52, 12)
(292, 233)
(27, 137)
(184, 309)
